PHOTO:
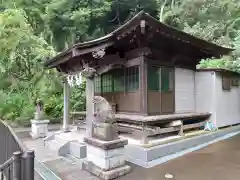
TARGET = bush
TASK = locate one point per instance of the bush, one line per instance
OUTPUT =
(19, 108)
(11, 105)
(53, 106)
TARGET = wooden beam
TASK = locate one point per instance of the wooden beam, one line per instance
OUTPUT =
(78, 52)
(106, 68)
(156, 62)
(142, 51)
(192, 126)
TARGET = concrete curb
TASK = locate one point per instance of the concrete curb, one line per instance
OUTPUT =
(149, 157)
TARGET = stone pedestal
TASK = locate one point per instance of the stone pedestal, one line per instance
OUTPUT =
(104, 131)
(39, 128)
(106, 159)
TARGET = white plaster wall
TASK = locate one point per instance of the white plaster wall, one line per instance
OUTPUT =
(227, 104)
(184, 90)
(204, 85)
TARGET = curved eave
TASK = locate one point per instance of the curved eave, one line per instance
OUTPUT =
(88, 44)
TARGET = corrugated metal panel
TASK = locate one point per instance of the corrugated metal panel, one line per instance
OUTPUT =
(227, 104)
(184, 90)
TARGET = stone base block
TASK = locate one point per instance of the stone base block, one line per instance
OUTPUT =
(77, 149)
(106, 145)
(106, 160)
(105, 131)
(106, 175)
(39, 128)
(106, 155)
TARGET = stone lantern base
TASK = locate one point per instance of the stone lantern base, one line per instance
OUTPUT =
(106, 159)
(39, 128)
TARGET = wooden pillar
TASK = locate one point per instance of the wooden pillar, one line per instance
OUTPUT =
(66, 106)
(143, 85)
(89, 105)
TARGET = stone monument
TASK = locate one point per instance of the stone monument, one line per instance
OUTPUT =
(105, 151)
(39, 127)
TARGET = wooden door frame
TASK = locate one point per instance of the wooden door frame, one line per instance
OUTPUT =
(149, 63)
(172, 91)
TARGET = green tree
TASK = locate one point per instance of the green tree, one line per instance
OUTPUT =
(73, 21)
(21, 55)
(33, 30)
(216, 21)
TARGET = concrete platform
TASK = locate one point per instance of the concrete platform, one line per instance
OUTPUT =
(156, 154)
(219, 161)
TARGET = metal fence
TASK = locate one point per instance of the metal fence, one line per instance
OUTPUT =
(16, 161)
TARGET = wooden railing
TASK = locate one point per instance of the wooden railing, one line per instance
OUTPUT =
(16, 161)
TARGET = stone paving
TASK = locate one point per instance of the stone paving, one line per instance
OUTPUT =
(41, 152)
(220, 161)
(69, 171)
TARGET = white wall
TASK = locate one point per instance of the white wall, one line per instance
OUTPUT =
(204, 91)
(184, 90)
(227, 104)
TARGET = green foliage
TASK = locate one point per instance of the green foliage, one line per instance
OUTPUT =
(33, 30)
(54, 106)
(14, 106)
(78, 99)
(217, 21)
(23, 76)
(226, 62)
(74, 20)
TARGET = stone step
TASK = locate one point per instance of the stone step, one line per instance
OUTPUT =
(67, 143)
(53, 145)
(74, 135)
(77, 149)
(60, 148)
(61, 138)
(73, 160)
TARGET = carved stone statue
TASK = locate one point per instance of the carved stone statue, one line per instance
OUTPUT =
(88, 72)
(104, 124)
(39, 125)
(39, 109)
(103, 110)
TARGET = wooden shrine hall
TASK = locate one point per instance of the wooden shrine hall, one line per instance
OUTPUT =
(147, 72)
